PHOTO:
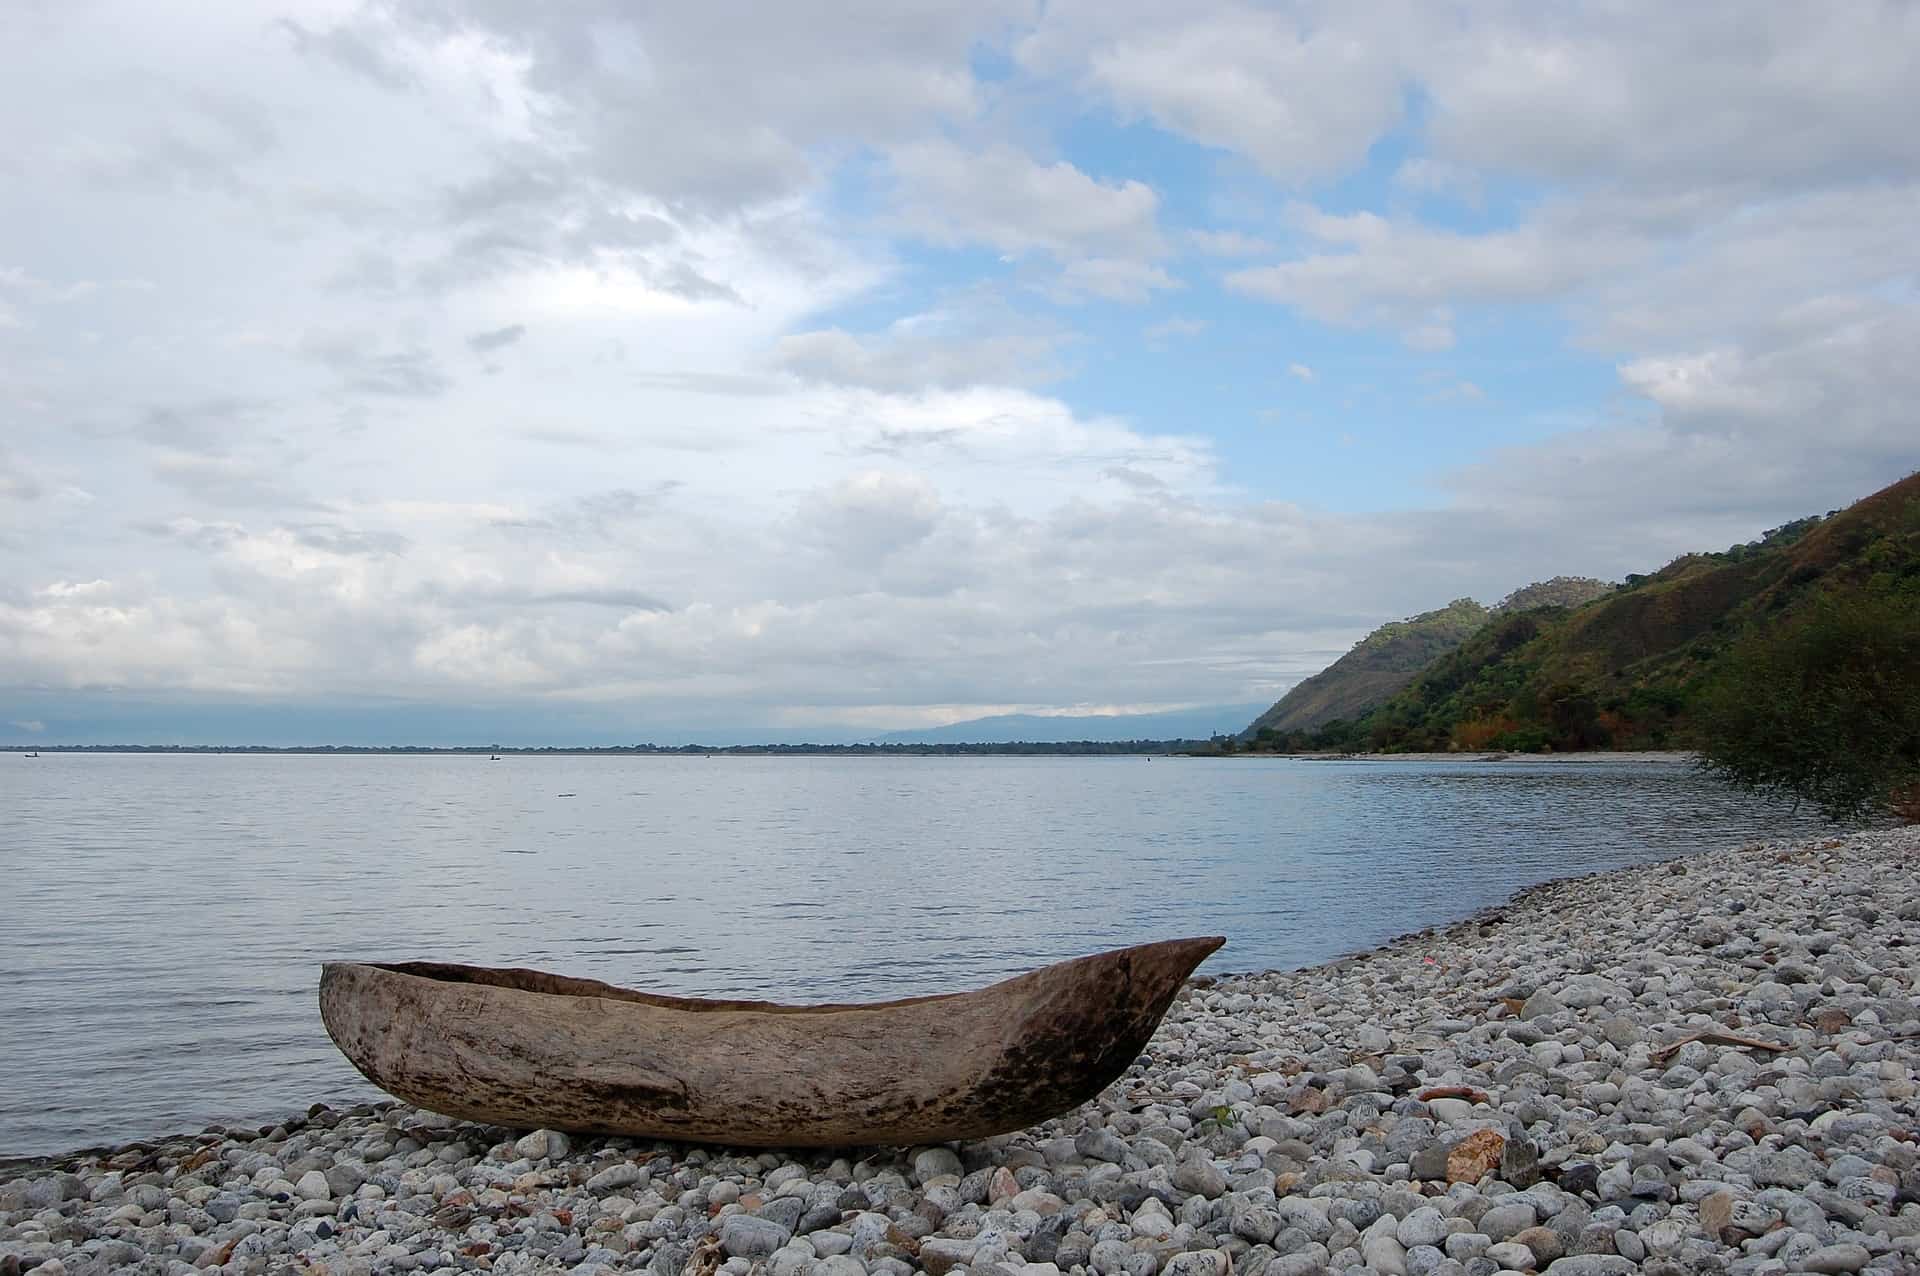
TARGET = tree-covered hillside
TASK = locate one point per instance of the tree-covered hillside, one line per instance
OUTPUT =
(1561, 591)
(1388, 658)
(1627, 670)
(1379, 665)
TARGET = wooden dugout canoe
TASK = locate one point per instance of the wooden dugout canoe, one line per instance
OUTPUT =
(529, 1050)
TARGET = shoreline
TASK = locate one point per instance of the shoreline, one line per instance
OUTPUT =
(1583, 757)
(15, 1164)
(999, 749)
(1276, 1125)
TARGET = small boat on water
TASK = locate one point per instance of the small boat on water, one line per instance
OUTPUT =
(528, 1050)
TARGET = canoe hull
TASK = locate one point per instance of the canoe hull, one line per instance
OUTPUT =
(528, 1050)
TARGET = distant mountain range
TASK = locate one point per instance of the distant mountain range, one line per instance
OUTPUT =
(1032, 728)
(47, 723)
(1574, 663)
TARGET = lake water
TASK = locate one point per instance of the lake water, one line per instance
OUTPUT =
(162, 918)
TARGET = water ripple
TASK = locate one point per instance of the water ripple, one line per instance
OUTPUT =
(163, 918)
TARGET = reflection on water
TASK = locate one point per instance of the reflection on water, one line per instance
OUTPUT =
(163, 917)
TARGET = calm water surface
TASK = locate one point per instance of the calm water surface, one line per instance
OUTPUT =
(162, 917)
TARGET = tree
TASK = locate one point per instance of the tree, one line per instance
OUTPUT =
(1824, 708)
(1573, 715)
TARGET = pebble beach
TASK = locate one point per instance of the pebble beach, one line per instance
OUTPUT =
(1707, 1065)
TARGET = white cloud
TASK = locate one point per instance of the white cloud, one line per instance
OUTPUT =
(1427, 175)
(556, 352)
(881, 592)
(1592, 94)
(1003, 197)
(1375, 270)
(1301, 95)
(1111, 279)
(1229, 243)
(673, 103)
(18, 481)
(1726, 433)
(955, 348)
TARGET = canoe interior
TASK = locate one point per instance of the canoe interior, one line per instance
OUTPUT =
(521, 979)
(525, 1048)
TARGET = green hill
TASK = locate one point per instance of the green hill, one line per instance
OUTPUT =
(1388, 658)
(1561, 591)
(1623, 671)
(1379, 665)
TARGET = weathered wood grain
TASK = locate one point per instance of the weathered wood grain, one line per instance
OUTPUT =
(525, 1049)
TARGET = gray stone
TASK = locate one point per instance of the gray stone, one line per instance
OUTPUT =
(788, 1211)
(1540, 1004)
(344, 1178)
(941, 1254)
(668, 1259)
(932, 1163)
(1199, 1174)
(1502, 1221)
(1296, 1214)
(1793, 1167)
(615, 1177)
(841, 1265)
(1384, 1253)
(1311, 1261)
(1254, 1223)
(1583, 992)
(747, 1236)
(1520, 1161)
(1100, 1145)
(1836, 1259)
(1592, 1265)
(551, 1144)
(1512, 1257)
(1429, 1164)
(1206, 1262)
(1461, 1246)
(1424, 1226)
(1545, 1243)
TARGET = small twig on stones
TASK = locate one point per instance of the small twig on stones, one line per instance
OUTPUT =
(1466, 1092)
(1672, 1048)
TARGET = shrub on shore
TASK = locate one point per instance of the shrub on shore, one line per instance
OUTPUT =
(1824, 708)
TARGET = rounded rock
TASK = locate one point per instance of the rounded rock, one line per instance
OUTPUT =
(937, 1162)
(750, 1237)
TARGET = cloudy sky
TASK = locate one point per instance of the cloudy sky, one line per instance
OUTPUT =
(596, 369)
